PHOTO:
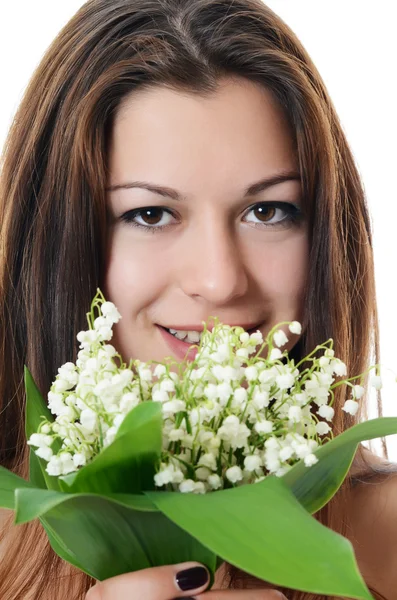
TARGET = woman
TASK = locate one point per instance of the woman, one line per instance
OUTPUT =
(202, 100)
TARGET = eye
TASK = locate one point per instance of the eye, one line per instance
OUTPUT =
(149, 217)
(271, 214)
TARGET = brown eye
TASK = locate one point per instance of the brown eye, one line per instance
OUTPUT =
(149, 217)
(264, 213)
(273, 214)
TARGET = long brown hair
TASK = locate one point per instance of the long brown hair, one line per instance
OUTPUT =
(53, 218)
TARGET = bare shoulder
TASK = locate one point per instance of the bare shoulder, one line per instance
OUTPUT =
(372, 516)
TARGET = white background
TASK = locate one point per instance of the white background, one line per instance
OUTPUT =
(353, 44)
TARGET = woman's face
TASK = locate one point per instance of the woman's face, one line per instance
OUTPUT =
(215, 242)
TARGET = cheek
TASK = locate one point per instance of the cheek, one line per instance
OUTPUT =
(133, 275)
(281, 270)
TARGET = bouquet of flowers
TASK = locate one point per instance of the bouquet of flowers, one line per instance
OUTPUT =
(221, 458)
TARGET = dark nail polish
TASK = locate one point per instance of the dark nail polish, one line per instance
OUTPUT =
(192, 578)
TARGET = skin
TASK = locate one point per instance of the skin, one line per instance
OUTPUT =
(217, 256)
(211, 259)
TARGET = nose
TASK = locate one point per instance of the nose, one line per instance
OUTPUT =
(212, 265)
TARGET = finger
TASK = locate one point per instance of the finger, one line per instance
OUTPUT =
(156, 583)
(254, 594)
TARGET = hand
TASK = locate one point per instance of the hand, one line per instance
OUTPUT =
(170, 582)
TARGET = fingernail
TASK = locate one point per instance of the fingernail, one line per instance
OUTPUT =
(192, 578)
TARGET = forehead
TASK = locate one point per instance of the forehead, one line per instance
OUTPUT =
(235, 135)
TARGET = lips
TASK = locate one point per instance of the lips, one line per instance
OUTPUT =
(249, 327)
(178, 347)
(184, 349)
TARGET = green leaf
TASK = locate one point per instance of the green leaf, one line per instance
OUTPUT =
(264, 530)
(9, 482)
(315, 486)
(107, 536)
(59, 547)
(36, 470)
(128, 464)
(36, 409)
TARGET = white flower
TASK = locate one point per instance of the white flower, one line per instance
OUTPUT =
(211, 391)
(323, 361)
(280, 339)
(301, 398)
(302, 449)
(87, 338)
(256, 338)
(160, 396)
(61, 385)
(67, 463)
(275, 354)
(286, 453)
(109, 310)
(358, 391)
(108, 350)
(40, 440)
(199, 487)
(322, 428)
(167, 385)
(174, 406)
(208, 460)
(79, 459)
(110, 435)
(252, 462)
(285, 381)
(214, 481)
(176, 434)
(310, 460)
(339, 367)
(327, 412)
(168, 474)
(260, 399)
(351, 407)
(159, 371)
(101, 322)
(263, 426)
(54, 466)
(240, 397)
(251, 373)
(295, 327)
(88, 419)
(224, 391)
(272, 462)
(295, 414)
(244, 337)
(234, 474)
(186, 486)
(215, 443)
(225, 399)
(376, 382)
(233, 431)
(45, 453)
(128, 401)
(145, 373)
(203, 473)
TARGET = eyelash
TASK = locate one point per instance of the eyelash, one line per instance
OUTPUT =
(294, 216)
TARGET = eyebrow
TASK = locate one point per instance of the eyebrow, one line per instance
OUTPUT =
(168, 192)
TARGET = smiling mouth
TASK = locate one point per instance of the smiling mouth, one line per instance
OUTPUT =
(193, 336)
